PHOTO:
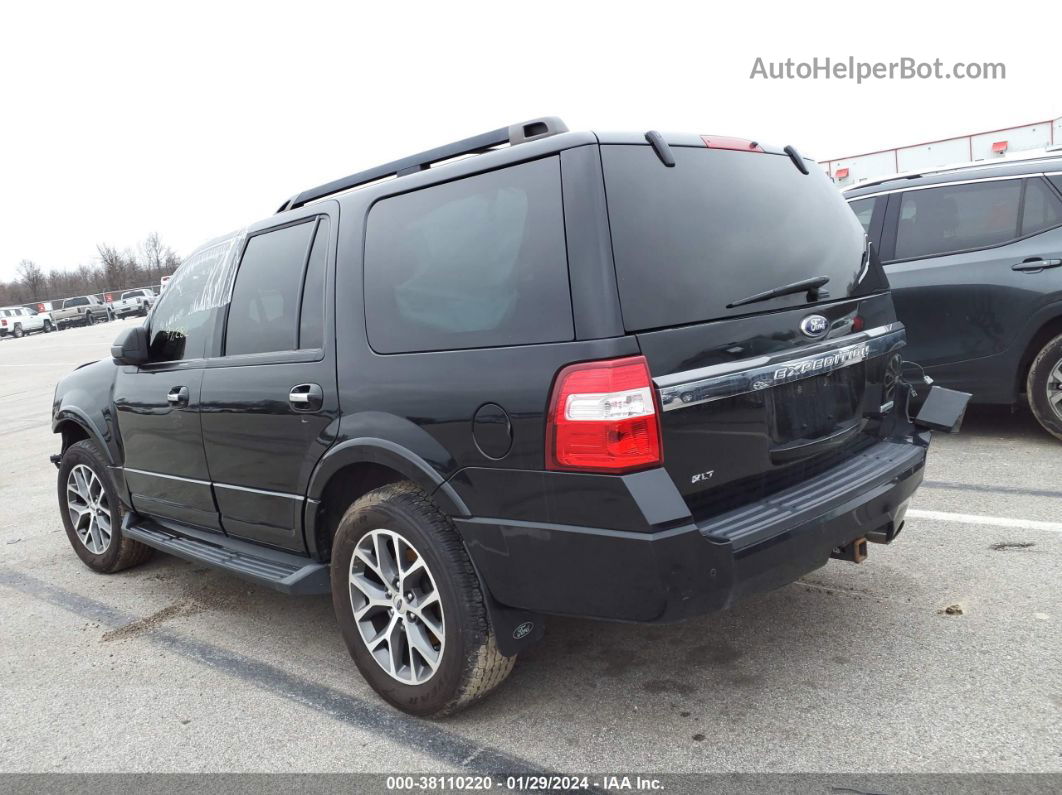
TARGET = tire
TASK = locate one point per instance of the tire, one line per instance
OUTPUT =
(1043, 387)
(48, 327)
(17, 332)
(90, 319)
(468, 664)
(100, 551)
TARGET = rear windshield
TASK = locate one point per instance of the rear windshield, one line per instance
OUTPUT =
(720, 226)
(75, 302)
(132, 294)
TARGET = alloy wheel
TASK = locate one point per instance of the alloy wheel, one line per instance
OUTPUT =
(1054, 388)
(89, 509)
(396, 606)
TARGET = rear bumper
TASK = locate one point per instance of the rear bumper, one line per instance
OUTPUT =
(689, 568)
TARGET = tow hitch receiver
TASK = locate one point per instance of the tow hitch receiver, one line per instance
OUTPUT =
(854, 551)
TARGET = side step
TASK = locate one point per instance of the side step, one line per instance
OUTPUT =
(282, 571)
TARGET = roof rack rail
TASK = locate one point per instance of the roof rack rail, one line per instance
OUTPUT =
(513, 135)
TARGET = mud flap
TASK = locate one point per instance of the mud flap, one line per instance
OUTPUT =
(514, 630)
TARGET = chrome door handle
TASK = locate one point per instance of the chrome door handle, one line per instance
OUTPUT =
(1035, 264)
(178, 395)
(306, 397)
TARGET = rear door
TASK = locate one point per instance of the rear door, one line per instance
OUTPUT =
(965, 265)
(751, 392)
(270, 405)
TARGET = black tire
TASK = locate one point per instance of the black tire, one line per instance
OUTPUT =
(90, 319)
(17, 332)
(1044, 379)
(48, 327)
(470, 666)
(122, 552)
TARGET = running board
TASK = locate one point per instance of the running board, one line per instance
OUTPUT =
(282, 571)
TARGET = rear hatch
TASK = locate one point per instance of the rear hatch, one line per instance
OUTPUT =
(755, 396)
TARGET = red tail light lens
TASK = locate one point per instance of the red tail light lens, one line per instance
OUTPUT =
(603, 418)
(3, 322)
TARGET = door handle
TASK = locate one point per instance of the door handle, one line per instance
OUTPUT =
(306, 397)
(178, 396)
(1035, 264)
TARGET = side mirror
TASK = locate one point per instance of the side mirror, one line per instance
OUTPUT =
(131, 347)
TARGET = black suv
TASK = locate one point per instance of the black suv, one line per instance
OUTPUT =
(974, 257)
(622, 376)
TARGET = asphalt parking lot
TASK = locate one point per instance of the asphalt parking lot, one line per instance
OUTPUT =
(173, 667)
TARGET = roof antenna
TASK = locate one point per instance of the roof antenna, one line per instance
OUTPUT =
(663, 151)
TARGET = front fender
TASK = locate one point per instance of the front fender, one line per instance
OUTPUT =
(84, 398)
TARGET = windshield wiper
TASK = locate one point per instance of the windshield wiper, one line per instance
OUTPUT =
(811, 286)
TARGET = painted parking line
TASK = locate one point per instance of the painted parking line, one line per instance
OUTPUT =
(992, 521)
(434, 740)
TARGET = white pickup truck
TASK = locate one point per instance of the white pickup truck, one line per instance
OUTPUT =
(20, 320)
(133, 302)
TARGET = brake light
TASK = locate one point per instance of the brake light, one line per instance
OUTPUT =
(737, 144)
(603, 418)
(3, 322)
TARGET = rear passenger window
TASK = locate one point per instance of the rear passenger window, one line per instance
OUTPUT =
(473, 263)
(957, 218)
(311, 321)
(263, 315)
(864, 211)
(1042, 208)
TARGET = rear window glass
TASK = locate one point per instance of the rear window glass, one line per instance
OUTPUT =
(1042, 209)
(953, 218)
(721, 226)
(478, 262)
(75, 302)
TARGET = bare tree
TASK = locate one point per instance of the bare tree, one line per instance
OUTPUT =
(32, 277)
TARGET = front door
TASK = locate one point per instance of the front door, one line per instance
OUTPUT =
(269, 403)
(158, 404)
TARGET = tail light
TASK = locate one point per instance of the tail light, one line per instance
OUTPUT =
(603, 418)
(3, 323)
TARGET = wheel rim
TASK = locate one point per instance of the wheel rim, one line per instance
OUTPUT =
(396, 607)
(1054, 388)
(89, 509)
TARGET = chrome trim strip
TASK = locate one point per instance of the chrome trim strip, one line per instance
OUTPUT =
(717, 382)
(259, 491)
(297, 497)
(906, 188)
(168, 477)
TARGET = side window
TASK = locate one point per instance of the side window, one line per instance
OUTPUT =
(263, 315)
(476, 262)
(864, 211)
(183, 319)
(311, 319)
(1042, 208)
(954, 218)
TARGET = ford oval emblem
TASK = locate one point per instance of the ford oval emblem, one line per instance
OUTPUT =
(814, 326)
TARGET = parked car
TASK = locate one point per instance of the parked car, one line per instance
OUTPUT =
(525, 395)
(974, 257)
(84, 310)
(20, 320)
(133, 302)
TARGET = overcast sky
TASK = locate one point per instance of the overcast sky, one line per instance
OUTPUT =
(192, 119)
